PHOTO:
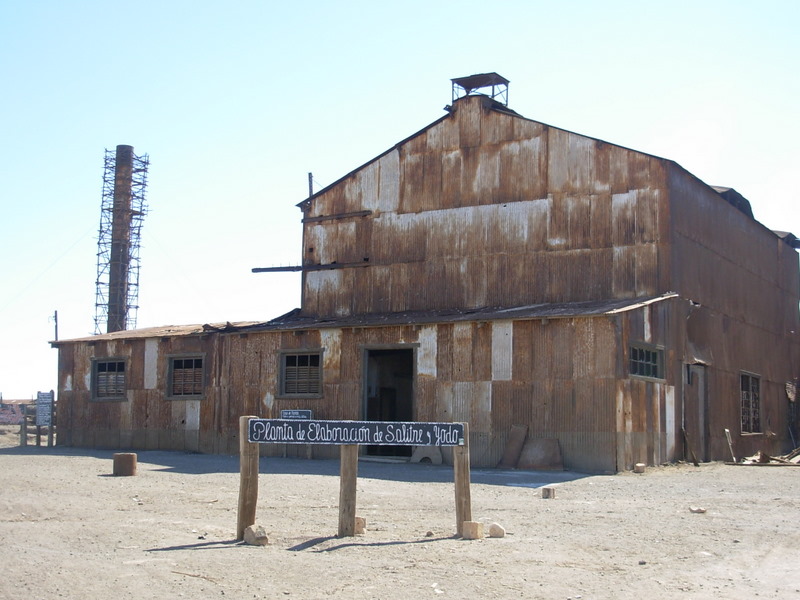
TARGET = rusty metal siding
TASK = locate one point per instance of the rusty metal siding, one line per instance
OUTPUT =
(744, 288)
(556, 376)
(481, 198)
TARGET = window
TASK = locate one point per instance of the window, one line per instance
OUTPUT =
(108, 380)
(646, 361)
(301, 374)
(186, 377)
(751, 403)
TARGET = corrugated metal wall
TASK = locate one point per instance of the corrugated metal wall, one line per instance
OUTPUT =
(743, 281)
(558, 377)
(488, 209)
(485, 208)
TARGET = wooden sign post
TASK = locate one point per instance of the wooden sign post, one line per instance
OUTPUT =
(349, 435)
(45, 401)
(462, 482)
(248, 479)
(348, 478)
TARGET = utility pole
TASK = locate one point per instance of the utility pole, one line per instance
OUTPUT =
(55, 320)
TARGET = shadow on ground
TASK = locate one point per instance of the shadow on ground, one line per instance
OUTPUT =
(199, 464)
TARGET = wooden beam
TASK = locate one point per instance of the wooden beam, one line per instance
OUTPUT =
(248, 479)
(461, 474)
(347, 215)
(348, 471)
(325, 267)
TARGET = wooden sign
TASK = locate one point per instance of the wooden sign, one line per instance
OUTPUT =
(373, 433)
(302, 413)
(349, 435)
(44, 409)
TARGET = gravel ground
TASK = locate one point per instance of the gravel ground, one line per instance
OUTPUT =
(70, 529)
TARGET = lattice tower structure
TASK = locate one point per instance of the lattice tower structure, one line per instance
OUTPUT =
(122, 211)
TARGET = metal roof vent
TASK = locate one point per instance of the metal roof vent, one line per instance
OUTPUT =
(468, 86)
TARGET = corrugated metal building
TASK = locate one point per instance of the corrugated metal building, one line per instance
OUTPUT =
(495, 270)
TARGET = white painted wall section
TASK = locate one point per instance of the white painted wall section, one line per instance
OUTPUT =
(502, 350)
(150, 364)
(669, 400)
(192, 415)
(426, 356)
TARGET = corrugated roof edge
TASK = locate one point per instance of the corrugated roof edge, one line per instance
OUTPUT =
(565, 310)
(163, 331)
(294, 320)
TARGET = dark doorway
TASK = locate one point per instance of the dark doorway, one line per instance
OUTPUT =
(389, 390)
(694, 413)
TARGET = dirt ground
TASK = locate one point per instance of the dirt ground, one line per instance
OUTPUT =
(70, 529)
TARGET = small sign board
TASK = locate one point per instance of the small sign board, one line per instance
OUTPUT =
(295, 414)
(44, 409)
(374, 433)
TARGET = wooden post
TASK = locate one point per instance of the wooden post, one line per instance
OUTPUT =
(348, 476)
(51, 429)
(461, 468)
(23, 428)
(730, 443)
(248, 479)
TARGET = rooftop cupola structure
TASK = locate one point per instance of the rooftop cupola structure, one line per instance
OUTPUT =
(489, 84)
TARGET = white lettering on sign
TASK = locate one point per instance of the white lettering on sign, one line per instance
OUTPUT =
(391, 433)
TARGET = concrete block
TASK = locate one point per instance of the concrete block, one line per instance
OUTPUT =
(125, 463)
(255, 535)
(361, 525)
(472, 530)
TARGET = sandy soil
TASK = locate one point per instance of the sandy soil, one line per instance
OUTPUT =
(70, 529)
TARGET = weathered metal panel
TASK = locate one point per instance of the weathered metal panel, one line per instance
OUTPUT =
(412, 180)
(331, 341)
(452, 179)
(468, 118)
(558, 160)
(502, 350)
(366, 193)
(389, 184)
(498, 129)
(462, 352)
(426, 355)
(484, 183)
(624, 272)
(563, 402)
(580, 162)
(432, 185)
(623, 218)
(442, 136)
(480, 416)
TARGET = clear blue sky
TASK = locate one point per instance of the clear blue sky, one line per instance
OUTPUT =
(236, 101)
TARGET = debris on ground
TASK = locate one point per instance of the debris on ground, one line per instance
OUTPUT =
(761, 458)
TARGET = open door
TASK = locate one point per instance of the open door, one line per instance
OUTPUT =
(695, 418)
(389, 392)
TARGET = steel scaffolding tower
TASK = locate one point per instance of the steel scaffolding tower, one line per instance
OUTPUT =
(121, 214)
